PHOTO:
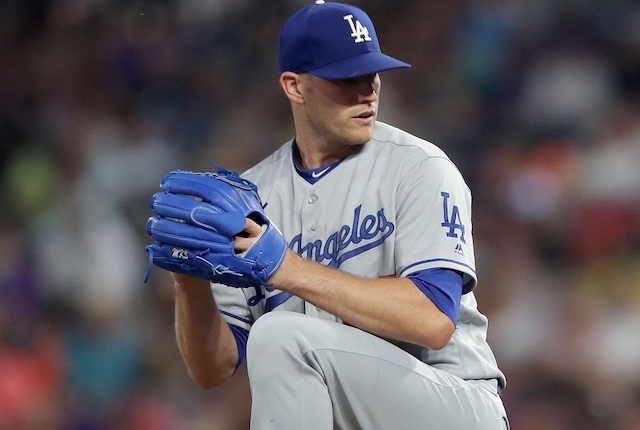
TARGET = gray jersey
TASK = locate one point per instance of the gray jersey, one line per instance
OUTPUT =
(396, 206)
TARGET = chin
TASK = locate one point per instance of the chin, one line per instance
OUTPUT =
(363, 136)
(354, 135)
(356, 139)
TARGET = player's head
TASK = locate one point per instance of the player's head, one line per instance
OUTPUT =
(332, 41)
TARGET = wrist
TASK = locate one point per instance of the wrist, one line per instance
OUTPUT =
(281, 278)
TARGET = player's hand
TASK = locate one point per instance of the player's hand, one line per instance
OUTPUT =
(204, 227)
(251, 233)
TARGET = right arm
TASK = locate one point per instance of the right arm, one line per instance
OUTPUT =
(206, 342)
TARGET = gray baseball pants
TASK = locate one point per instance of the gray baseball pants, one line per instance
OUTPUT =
(311, 374)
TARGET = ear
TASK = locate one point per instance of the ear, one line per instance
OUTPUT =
(293, 86)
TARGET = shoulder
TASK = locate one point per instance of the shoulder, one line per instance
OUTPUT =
(272, 165)
(408, 152)
(405, 141)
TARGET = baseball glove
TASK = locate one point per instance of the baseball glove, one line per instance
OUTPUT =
(197, 218)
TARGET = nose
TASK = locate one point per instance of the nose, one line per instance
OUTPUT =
(367, 90)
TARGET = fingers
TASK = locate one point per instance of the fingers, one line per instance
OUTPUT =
(254, 231)
(253, 228)
(243, 244)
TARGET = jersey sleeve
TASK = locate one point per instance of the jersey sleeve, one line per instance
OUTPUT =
(434, 220)
(232, 303)
(443, 287)
(241, 335)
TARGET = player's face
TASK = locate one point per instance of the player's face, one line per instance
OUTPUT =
(343, 111)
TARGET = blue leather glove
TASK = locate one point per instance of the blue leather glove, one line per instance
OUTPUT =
(197, 218)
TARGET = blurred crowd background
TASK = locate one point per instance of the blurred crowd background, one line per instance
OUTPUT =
(537, 102)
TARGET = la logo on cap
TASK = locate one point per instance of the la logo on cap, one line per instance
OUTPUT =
(358, 31)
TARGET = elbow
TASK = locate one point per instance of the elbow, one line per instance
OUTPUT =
(438, 335)
(439, 342)
(210, 380)
(205, 383)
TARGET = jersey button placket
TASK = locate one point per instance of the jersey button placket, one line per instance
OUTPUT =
(312, 199)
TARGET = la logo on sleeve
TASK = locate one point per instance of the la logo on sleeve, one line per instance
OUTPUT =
(452, 218)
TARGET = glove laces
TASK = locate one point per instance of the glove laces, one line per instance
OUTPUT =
(150, 263)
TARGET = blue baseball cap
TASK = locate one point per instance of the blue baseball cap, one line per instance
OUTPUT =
(332, 41)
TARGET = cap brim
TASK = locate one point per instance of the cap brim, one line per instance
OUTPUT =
(360, 65)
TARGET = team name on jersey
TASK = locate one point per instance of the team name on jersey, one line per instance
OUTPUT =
(367, 233)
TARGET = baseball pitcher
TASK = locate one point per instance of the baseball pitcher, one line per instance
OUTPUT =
(341, 267)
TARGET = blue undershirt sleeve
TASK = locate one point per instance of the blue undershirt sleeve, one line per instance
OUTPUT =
(241, 336)
(443, 287)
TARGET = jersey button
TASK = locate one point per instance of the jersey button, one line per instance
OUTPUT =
(312, 199)
(313, 226)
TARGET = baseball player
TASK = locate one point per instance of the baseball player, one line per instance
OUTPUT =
(367, 319)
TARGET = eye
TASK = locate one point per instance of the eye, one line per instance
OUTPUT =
(344, 82)
(353, 81)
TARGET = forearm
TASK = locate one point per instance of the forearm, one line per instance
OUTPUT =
(389, 307)
(206, 343)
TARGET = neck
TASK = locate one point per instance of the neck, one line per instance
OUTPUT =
(312, 157)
